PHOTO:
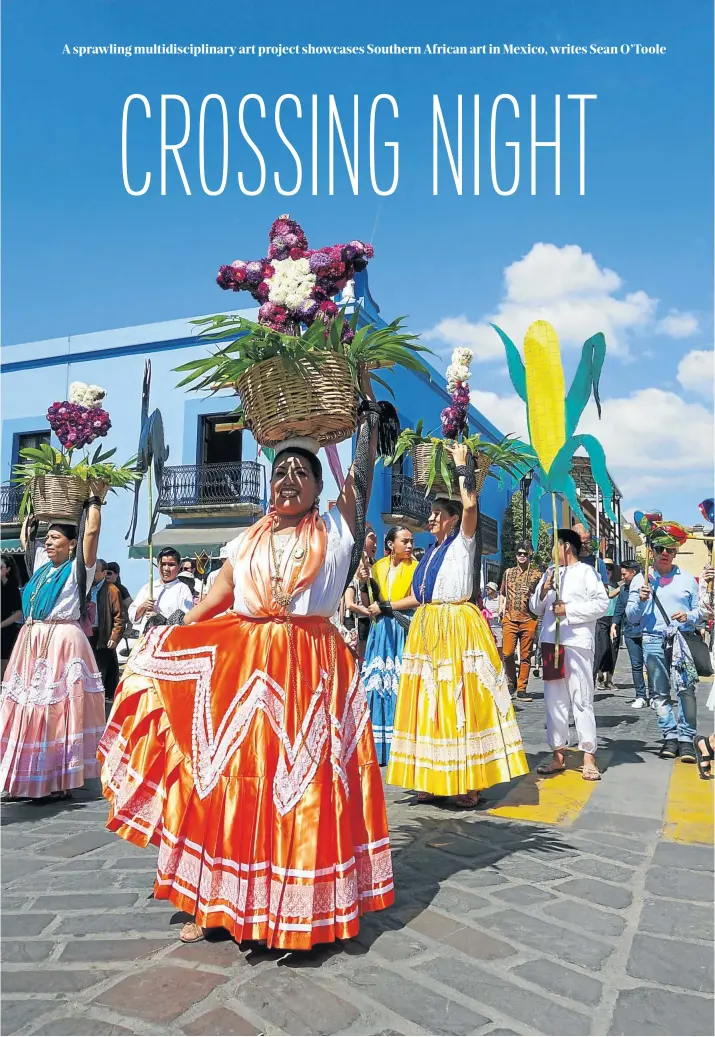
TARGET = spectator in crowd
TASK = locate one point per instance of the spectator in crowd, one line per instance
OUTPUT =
(173, 599)
(634, 642)
(588, 555)
(213, 575)
(360, 594)
(188, 575)
(604, 662)
(107, 618)
(493, 611)
(568, 677)
(518, 624)
(11, 609)
(113, 576)
(656, 610)
(370, 548)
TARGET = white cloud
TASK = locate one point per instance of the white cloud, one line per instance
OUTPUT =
(565, 286)
(678, 325)
(656, 443)
(508, 413)
(696, 371)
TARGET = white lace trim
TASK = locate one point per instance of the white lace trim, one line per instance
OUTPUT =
(478, 747)
(212, 751)
(43, 691)
(263, 891)
(444, 671)
(382, 677)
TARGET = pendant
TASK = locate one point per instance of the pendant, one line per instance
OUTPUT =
(299, 553)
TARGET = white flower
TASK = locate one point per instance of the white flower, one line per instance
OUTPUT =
(456, 373)
(291, 283)
(86, 395)
(462, 356)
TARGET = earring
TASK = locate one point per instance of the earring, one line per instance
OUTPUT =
(316, 503)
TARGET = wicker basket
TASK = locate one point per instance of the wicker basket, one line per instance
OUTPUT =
(279, 402)
(482, 465)
(421, 459)
(58, 498)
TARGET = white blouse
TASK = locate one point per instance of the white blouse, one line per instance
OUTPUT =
(168, 598)
(323, 596)
(66, 608)
(456, 575)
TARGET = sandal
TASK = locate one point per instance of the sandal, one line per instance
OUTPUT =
(425, 797)
(590, 772)
(191, 933)
(468, 801)
(550, 767)
(704, 757)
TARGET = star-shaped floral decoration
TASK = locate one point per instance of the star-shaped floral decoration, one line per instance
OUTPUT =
(295, 284)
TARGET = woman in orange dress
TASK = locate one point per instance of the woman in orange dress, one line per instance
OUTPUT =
(241, 744)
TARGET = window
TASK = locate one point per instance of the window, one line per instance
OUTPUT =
(221, 439)
(490, 535)
(32, 439)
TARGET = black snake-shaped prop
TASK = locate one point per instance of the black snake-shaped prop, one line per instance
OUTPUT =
(383, 416)
(151, 451)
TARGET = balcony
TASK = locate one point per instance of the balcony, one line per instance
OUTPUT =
(408, 505)
(10, 497)
(213, 491)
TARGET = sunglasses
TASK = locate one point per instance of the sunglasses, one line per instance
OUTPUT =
(666, 550)
(524, 553)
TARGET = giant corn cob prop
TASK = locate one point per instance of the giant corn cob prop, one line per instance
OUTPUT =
(553, 416)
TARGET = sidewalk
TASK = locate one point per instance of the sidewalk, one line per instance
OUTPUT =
(561, 907)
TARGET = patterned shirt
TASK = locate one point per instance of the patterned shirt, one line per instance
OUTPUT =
(517, 586)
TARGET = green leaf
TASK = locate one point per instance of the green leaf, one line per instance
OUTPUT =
(515, 364)
(587, 377)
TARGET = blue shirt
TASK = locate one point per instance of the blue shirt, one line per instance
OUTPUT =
(677, 592)
(96, 587)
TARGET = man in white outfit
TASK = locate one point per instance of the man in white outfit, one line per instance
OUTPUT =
(170, 595)
(568, 677)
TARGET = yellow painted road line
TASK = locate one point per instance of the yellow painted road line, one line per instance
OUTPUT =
(555, 800)
(689, 808)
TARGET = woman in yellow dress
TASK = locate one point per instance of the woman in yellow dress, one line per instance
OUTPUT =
(454, 732)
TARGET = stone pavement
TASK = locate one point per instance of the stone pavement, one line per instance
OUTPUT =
(503, 924)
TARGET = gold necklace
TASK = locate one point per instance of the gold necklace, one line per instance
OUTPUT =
(282, 597)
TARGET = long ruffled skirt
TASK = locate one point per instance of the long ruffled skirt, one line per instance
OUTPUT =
(51, 712)
(381, 677)
(243, 749)
(454, 728)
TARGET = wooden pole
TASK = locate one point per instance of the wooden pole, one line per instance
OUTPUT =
(557, 574)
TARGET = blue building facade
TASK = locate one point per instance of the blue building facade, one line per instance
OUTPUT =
(216, 478)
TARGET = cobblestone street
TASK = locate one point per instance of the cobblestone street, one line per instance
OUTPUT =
(559, 907)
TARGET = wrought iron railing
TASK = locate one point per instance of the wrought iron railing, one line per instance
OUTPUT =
(408, 500)
(10, 497)
(211, 485)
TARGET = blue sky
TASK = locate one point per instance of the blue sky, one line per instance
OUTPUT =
(634, 255)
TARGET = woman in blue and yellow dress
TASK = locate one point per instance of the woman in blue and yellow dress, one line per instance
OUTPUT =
(455, 732)
(386, 640)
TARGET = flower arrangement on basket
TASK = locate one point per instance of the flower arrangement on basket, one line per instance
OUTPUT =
(432, 466)
(55, 487)
(293, 381)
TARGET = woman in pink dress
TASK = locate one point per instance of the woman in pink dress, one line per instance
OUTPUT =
(52, 705)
